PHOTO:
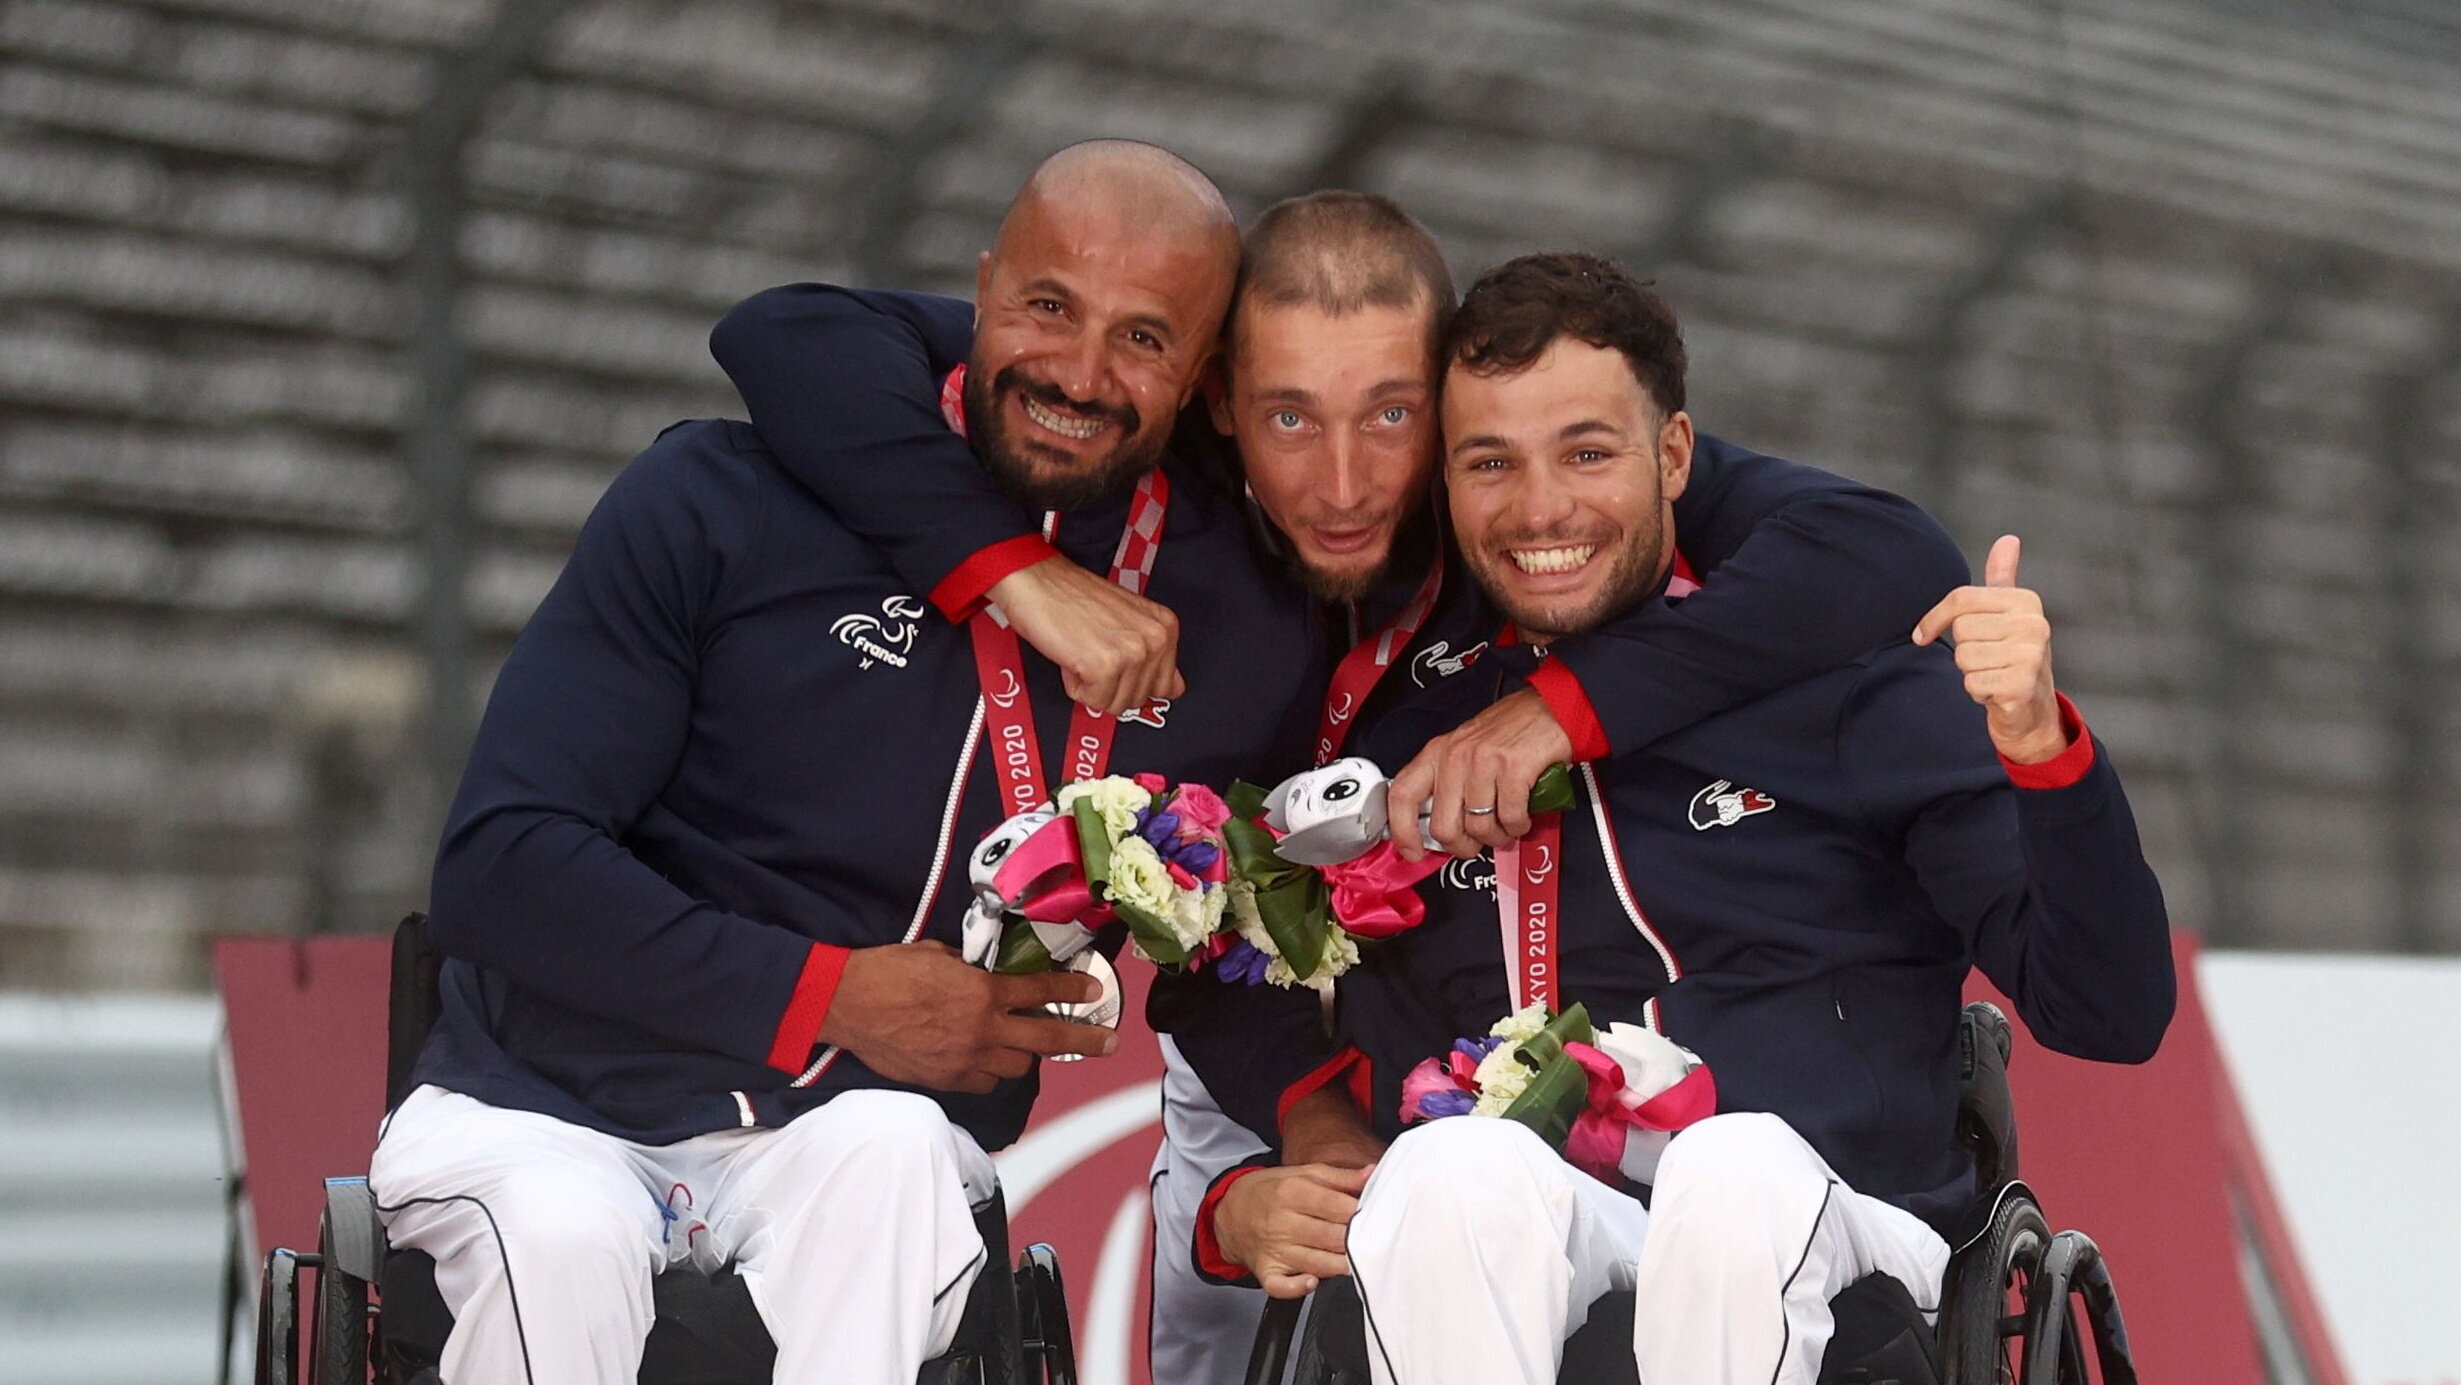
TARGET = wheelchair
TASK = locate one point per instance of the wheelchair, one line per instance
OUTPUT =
(376, 1316)
(2007, 1309)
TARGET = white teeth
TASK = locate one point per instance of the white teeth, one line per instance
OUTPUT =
(1062, 424)
(1539, 562)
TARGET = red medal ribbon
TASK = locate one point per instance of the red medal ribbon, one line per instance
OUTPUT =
(1363, 667)
(999, 659)
(1528, 882)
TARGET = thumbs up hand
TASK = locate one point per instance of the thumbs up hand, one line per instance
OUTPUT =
(2004, 646)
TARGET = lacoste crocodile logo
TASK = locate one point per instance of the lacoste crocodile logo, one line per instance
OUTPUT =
(1723, 805)
(1439, 660)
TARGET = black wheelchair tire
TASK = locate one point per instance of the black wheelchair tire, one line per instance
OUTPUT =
(341, 1328)
(277, 1320)
(1042, 1301)
(1975, 1316)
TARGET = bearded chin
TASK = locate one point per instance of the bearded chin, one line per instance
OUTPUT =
(1058, 483)
(1635, 573)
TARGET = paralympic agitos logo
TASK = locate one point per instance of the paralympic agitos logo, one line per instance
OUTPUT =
(885, 638)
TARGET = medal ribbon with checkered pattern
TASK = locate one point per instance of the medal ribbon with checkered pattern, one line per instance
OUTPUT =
(999, 659)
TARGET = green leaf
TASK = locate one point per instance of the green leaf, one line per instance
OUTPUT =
(1245, 800)
(1297, 913)
(1553, 791)
(1093, 842)
(1252, 855)
(1021, 951)
(1554, 1099)
(1152, 934)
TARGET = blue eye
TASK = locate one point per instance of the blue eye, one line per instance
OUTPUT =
(1395, 414)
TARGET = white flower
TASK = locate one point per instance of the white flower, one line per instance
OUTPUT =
(1140, 879)
(1521, 1025)
(1341, 953)
(1501, 1077)
(1243, 915)
(1195, 914)
(1116, 799)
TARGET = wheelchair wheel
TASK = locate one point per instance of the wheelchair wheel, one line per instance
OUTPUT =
(2054, 1336)
(277, 1320)
(1988, 1291)
(1042, 1305)
(341, 1320)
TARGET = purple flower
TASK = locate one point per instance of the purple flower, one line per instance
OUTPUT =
(1243, 964)
(1436, 1105)
(1197, 857)
(1157, 828)
(1476, 1049)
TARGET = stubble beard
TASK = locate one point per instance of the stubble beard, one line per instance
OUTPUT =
(1060, 482)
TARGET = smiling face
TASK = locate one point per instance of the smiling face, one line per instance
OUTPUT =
(1562, 477)
(1335, 420)
(1094, 318)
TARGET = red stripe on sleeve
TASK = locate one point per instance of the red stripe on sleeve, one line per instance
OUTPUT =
(799, 1027)
(1209, 1247)
(1348, 1064)
(961, 593)
(2065, 768)
(1560, 688)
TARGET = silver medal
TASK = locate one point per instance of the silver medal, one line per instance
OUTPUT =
(1102, 1010)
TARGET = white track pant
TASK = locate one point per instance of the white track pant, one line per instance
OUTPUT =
(1478, 1250)
(853, 1227)
(1200, 1333)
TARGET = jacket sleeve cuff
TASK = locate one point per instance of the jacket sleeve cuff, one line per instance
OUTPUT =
(1349, 1066)
(1560, 688)
(799, 1029)
(1210, 1262)
(962, 592)
(2065, 768)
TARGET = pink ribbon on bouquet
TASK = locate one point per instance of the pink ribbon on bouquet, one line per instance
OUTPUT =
(1596, 1144)
(1375, 894)
(1045, 874)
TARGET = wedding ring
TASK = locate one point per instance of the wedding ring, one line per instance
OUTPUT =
(1480, 812)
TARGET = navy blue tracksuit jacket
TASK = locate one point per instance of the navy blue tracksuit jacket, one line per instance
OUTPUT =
(1812, 951)
(1810, 569)
(727, 747)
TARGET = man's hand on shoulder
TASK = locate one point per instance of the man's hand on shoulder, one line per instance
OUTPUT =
(2004, 648)
(1115, 651)
(1290, 1226)
(1486, 764)
(916, 1013)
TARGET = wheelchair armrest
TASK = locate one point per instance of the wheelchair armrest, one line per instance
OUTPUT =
(354, 1238)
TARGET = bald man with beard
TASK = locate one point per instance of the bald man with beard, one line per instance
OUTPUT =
(701, 1004)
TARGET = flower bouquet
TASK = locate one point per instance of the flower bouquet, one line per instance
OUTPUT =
(1132, 850)
(1314, 872)
(1608, 1102)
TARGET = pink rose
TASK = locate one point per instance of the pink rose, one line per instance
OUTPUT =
(1151, 783)
(1201, 812)
(1428, 1076)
